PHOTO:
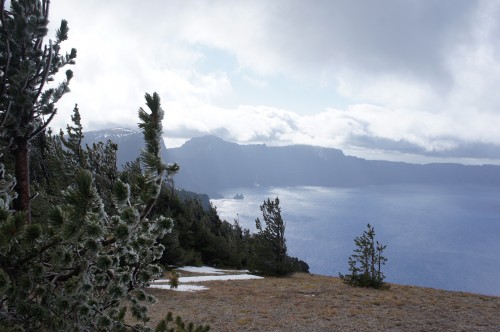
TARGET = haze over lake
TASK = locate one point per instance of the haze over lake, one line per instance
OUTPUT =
(445, 237)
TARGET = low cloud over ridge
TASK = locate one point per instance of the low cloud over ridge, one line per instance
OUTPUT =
(386, 78)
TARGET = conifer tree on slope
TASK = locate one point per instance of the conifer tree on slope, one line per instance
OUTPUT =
(365, 264)
(74, 271)
(270, 243)
(27, 65)
(78, 269)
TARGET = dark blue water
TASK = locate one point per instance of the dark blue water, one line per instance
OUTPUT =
(445, 237)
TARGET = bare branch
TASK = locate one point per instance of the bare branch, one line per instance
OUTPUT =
(6, 114)
(152, 201)
(47, 71)
(9, 55)
(39, 251)
(44, 126)
(64, 277)
(45, 8)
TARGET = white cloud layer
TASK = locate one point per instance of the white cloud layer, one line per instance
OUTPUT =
(377, 78)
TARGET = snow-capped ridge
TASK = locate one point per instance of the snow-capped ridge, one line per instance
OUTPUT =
(111, 133)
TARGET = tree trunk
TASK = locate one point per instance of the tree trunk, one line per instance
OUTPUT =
(22, 172)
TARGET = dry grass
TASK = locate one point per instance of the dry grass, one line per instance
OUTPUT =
(317, 303)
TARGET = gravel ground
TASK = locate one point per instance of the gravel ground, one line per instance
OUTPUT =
(306, 302)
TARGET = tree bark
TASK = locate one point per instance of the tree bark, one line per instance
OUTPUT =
(22, 171)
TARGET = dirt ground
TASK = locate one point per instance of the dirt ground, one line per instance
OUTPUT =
(306, 302)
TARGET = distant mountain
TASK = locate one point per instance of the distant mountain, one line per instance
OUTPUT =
(130, 142)
(211, 165)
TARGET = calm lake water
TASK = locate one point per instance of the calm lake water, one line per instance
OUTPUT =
(445, 237)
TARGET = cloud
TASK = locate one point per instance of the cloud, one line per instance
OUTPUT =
(362, 127)
(255, 81)
(292, 37)
(414, 77)
(476, 65)
(450, 147)
(244, 124)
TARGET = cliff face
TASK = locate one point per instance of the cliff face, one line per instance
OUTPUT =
(210, 165)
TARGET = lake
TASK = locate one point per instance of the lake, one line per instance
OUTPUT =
(445, 237)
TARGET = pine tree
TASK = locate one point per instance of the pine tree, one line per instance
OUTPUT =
(81, 265)
(75, 270)
(72, 142)
(27, 66)
(270, 246)
(365, 264)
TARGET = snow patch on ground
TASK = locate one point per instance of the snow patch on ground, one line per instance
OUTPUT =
(212, 278)
(181, 288)
(207, 270)
(219, 276)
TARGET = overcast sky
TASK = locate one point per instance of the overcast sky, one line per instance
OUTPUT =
(408, 80)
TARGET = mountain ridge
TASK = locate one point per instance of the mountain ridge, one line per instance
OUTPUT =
(211, 165)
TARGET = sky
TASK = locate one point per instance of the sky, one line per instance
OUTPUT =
(390, 79)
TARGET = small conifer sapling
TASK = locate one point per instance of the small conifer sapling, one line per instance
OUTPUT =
(365, 264)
